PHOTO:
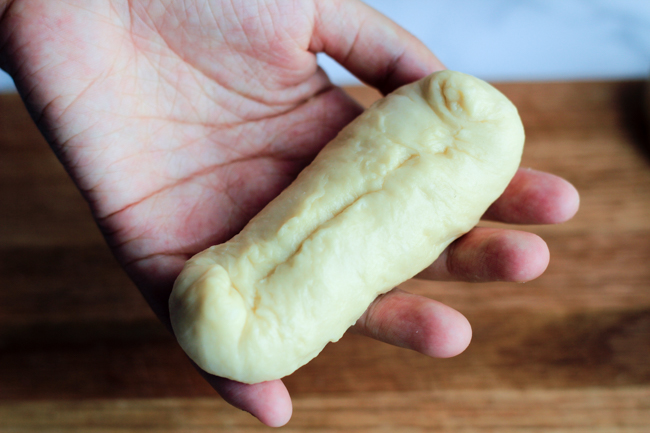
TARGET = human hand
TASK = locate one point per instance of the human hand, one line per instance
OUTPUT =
(179, 120)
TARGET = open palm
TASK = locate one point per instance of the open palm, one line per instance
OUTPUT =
(180, 119)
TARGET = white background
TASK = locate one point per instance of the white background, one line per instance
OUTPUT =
(505, 40)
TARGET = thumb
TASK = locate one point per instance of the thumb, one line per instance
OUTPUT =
(371, 46)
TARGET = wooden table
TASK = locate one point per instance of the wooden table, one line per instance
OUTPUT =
(81, 352)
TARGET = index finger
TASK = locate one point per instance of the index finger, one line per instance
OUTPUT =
(535, 197)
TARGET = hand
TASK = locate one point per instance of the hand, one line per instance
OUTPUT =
(180, 119)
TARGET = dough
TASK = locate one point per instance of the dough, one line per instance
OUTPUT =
(378, 204)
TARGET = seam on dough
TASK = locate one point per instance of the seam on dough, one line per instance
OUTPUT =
(456, 139)
(426, 149)
(335, 215)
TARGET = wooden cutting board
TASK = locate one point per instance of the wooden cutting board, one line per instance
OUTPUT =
(81, 352)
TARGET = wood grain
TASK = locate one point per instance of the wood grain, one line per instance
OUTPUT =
(621, 410)
(80, 350)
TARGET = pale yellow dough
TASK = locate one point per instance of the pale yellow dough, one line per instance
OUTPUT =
(377, 205)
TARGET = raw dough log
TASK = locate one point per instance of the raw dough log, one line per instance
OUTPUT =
(377, 205)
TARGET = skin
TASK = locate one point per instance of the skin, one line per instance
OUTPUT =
(179, 120)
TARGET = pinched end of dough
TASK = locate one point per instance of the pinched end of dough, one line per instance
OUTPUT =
(474, 119)
(457, 96)
(208, 311)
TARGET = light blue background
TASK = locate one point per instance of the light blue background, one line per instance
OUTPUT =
(506, 40)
